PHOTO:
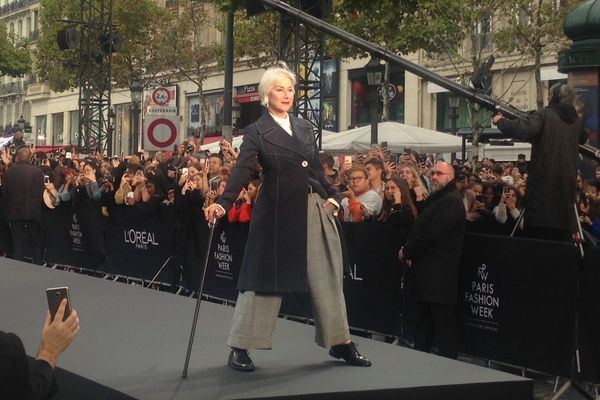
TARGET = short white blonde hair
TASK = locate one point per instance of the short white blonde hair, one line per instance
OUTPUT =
(270, 78)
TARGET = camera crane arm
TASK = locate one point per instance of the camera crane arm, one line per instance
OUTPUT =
(483, 100)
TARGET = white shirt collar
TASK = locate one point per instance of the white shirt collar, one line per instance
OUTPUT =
(283, 122)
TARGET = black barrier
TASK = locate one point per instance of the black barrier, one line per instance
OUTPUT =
(64, 237)
(589, 317)
(517, 297)
(225, 260)
(139, 244)
(373, 290)
(518, 300)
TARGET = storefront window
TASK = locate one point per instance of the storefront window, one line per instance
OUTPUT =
(360, 114)
(206, 115)
(444, 122)
(57, 129)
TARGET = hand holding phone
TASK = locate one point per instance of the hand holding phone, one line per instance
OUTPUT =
(55, 297)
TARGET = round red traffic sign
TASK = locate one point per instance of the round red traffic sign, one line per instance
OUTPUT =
(157, 128)
(161, 96)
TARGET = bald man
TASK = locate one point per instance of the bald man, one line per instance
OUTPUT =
(433, 250)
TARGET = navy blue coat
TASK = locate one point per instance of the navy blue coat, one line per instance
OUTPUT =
(275, 256)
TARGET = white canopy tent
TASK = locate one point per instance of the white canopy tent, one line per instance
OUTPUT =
(397, 135)
(214, 146)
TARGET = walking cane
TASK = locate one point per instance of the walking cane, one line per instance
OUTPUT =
(197, 311)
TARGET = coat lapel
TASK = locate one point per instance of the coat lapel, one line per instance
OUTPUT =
(275, 134)
(304, 136)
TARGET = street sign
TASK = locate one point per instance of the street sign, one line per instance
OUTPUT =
(160, 133)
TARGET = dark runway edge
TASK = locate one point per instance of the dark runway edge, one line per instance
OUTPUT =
(133, 342)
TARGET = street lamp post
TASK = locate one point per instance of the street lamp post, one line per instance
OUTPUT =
(136, 90)
(374, 71)
(453, 104)
(21, 123)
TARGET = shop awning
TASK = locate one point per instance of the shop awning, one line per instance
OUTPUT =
(247, 98)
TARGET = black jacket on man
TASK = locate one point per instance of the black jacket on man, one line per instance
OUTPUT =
(554, 133)
(434, 245)
(23, 188)
(275, 257)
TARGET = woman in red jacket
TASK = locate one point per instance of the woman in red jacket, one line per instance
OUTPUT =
(242, 208)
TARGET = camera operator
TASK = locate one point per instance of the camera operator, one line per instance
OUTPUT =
(217, 189)
(555, 133)
(508, 210)
(227, 153)
(125, 192)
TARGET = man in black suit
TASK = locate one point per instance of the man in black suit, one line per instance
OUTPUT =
(433, 249)
(23, 188)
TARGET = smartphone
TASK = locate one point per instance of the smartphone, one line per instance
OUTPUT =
(55, 296)
(394, 158)
(68, 155)
(343, 187)
(184, 171)
(46, 179)
(479, 198)
(214, 185)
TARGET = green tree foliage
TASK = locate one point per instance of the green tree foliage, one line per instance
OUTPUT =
(14, 55)
(256, 38)
(138, 20)
(533, 28)
(187, 49)
(142, 23)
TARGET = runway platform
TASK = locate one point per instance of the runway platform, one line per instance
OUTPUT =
(133, 343)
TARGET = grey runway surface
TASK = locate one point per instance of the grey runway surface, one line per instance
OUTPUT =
(134, 340)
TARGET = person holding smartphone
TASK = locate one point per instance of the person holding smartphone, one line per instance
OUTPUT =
(507, 211)
(35, 381)
(296, 202)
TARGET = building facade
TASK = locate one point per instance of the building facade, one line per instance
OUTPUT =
(54, 119)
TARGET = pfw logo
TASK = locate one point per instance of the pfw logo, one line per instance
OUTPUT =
(482, 301)
(482, 273)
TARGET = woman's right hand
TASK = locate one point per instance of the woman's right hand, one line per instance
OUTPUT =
(213, 212)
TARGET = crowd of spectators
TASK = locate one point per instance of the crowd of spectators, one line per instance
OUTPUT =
(375, 188)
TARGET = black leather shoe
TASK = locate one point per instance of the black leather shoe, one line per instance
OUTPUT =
(240, 360)
(349, 353)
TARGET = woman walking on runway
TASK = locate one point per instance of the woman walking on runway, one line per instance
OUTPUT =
(293, 243)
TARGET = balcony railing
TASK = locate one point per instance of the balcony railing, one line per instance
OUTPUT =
(11, 88)
(16, 6)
